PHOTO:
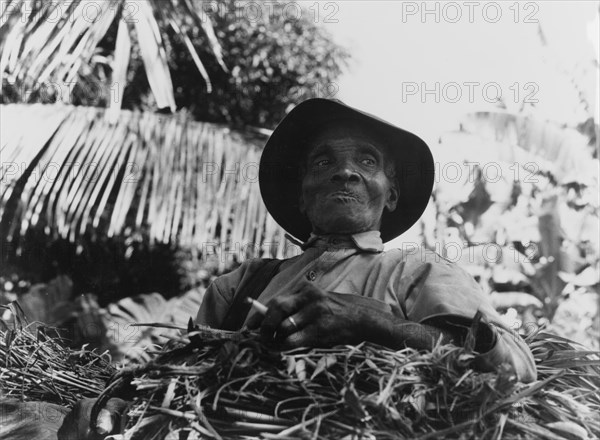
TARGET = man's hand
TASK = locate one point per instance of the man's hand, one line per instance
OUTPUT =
(76, 425)
(309, 316)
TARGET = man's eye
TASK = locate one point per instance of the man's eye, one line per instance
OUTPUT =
(368, 161)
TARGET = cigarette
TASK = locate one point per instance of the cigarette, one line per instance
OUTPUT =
(260, 308)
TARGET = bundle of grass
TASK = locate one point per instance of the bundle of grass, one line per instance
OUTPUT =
(215, 384)
(35, 364)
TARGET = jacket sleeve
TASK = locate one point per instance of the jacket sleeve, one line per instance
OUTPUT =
(437, 292)
(213, 308)
(221, 292)
(219, 296)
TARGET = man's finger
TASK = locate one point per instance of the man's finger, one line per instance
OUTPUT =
(291, 324)
(109, 417)
(255, 320)
(104, 423)
(279, 309)
(301, 338)
(288, 304)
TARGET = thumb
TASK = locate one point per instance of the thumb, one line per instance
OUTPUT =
(109, 417)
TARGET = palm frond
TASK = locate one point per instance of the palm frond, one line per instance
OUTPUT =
(122, 54)
(167, 178)
(56, 44)
(130, 340)
(153, 50)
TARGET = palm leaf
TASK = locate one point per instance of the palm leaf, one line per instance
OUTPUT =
(154, 56)
(130, 341)
(168, 178)
(122, 53)
(56, 43)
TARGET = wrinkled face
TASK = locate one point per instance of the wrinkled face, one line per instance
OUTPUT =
(345, 187)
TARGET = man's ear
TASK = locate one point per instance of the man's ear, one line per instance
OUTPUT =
(392, 199)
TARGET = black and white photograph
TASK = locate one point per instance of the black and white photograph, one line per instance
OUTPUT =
(308, 219)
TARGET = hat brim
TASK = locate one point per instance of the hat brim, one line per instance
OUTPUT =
(279, 171)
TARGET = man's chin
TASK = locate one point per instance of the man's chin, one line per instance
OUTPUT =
(347, 226)
(339, 218)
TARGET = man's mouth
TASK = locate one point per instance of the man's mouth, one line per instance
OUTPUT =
(344, 196)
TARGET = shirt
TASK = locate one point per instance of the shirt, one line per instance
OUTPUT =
(422, 286)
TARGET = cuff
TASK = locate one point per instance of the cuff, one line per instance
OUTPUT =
(509, 349)
(458, 326)
(495, 345)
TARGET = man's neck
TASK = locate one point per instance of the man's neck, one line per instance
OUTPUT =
(369, 241)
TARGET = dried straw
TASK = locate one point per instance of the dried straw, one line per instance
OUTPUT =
(39, 367)
(229, 385)
(216, 384)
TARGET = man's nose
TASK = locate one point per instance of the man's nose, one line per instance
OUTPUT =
(346, 172)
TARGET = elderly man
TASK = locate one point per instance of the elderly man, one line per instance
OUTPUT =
(343, 181)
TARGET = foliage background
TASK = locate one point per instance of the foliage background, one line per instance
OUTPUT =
(260, 68)
(544, 220)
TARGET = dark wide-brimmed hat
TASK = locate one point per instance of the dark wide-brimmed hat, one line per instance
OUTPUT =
(280, 177)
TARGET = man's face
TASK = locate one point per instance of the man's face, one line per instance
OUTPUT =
(345, 188)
